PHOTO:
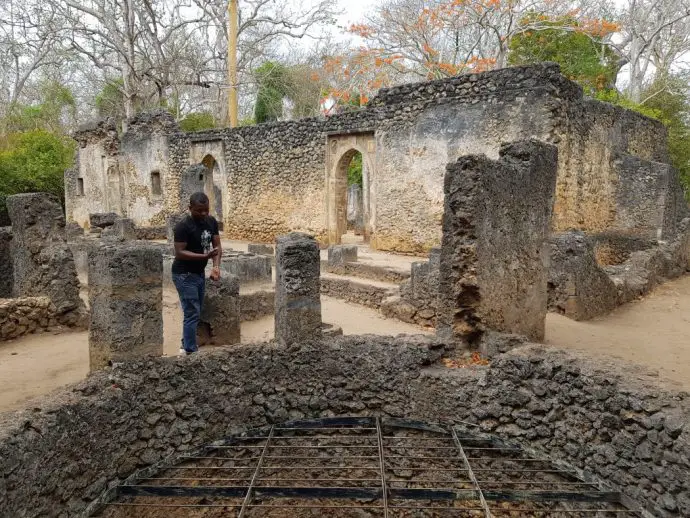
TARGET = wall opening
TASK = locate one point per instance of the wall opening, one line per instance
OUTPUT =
(348, 215)
(212, 186)
(156, 189)
(80, 187)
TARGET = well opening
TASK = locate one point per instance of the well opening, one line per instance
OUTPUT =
(365, 467)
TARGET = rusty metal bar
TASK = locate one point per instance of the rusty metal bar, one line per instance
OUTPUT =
(248, 496)
(384, 489)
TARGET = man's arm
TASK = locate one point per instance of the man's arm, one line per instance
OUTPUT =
(187, 255)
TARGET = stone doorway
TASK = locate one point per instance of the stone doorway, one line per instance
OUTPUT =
(213, 186)
(344, 151)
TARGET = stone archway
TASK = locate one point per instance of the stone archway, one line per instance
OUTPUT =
(212, 183)
(340, 151)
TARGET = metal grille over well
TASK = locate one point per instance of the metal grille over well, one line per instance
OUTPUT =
(360, 467)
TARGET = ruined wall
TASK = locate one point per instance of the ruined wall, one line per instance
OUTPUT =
(148, 147)
(594, 135)
(274, 178)
(25, 315)
(494, 259)
(6, 266)
(97, 170)
(613, 423)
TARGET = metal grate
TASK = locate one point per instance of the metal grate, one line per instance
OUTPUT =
(362, 467)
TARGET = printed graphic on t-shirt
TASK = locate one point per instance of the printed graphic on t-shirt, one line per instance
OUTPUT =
(206, 241)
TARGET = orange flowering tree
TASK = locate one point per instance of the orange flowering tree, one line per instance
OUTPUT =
(407, 40)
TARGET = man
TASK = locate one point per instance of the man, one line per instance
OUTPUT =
(196, 241)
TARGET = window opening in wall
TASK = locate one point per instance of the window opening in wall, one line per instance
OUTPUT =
(156, 183)
(80, 187)
(201, 177)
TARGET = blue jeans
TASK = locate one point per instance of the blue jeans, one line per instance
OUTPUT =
(190, 288)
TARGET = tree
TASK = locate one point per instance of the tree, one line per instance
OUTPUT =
(33, 161)
(272, 80)
(265, 28)
(31, 40)
(197, 121)
(653, 32)
(584, 57)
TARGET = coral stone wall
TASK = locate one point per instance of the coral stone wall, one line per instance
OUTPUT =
(25, 315)
(59, 457)
(271, 179)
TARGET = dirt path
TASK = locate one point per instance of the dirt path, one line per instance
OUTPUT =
(654, 332)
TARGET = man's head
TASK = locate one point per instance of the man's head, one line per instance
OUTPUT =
(198, 206)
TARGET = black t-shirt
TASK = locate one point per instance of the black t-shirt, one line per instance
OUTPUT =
(198, 235)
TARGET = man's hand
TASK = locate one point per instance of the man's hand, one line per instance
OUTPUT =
(212, 253)
(215, 273)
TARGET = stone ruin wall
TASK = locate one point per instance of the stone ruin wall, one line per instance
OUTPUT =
(280, 177)
(77, 443)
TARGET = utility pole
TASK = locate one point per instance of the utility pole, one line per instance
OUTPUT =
(232, 62)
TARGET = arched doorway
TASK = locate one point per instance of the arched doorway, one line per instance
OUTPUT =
(213, 186)
(349, 168)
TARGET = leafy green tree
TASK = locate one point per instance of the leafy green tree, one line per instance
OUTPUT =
(33, 161)
(57, 107)
(197, 121)
(273, 88)
(582, 56)
(110, 100)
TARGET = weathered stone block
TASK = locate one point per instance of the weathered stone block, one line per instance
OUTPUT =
(494, 258)
(42, 261)
(261, 249)
(578, 287)
(248, 268)
(298, 299)
(73, 231)
(220, 314)
(6, 267)
(340, 254)
(126, 300)
(125, 229)
(103, 219)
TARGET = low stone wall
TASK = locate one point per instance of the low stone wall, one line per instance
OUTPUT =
(612, 423)
(356, 292)
(26, 315)
(365, 271)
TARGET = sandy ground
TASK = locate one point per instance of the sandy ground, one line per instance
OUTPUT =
(653, 331)
(37, 364)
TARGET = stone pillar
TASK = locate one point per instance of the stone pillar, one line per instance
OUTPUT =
(126, 299)
(494, 255)
(220, 315)
(298, 300)
(6, 268)
(42, 261)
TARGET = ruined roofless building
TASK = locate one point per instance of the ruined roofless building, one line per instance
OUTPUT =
(271, 179)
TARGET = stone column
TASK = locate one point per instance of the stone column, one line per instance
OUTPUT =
(42, 261)
(126, 299)
(494, 255)
(220, 315)
(6, 268)
(298, 300)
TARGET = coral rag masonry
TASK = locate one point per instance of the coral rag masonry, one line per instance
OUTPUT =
(271, 179)
(58, 458)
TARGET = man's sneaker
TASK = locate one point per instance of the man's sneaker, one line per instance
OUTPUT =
(182, 352)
